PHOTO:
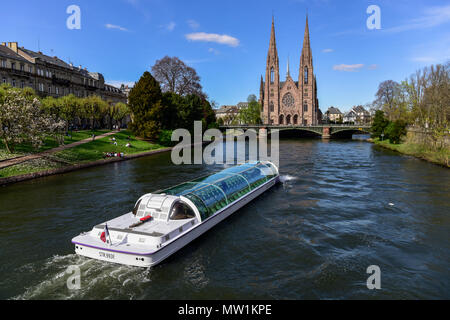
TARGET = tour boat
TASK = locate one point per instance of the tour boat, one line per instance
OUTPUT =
(163, 222)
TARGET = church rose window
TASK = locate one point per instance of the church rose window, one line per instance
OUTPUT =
(288, 100)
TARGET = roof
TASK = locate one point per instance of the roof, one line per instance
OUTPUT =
(8, 53)
(359, 109)
(226, 109)
(214, 192)
(333, 110)
(52, 60)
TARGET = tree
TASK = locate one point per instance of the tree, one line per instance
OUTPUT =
(175, 76)
(145, 103)
(379, 124)
(251, 114)
(252, 98)
(23, 120)
(387, 94)
(121, 111)
(395, 131)
(94, 108)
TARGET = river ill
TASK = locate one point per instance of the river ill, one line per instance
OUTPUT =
(343, 206)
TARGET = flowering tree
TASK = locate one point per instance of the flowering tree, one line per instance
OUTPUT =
(23, 120)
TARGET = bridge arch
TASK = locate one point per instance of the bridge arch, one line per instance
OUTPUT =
(348, 132)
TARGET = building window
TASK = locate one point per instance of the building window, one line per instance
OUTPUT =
(22, 84)
(49, 89)
(305, 107)
(13, 65)
(13, 82)
(57, 90)
(22, 67)
(272, 109)
(4, 80)
(30, 69)
(272, 75)
(306, 75)
(3, 63)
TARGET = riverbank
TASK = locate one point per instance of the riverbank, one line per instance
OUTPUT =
(83, 156)
(421, 151)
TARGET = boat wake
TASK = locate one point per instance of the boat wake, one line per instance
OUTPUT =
(286, 178)
(97, 279)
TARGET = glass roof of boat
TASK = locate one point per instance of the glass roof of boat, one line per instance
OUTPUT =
(214, 192)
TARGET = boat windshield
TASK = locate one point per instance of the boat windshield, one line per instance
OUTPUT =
(181, 211)
(212, 193)
(136, 207)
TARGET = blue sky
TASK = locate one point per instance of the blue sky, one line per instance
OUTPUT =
(227, 41)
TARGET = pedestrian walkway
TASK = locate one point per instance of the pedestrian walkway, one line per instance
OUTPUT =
(14, 161)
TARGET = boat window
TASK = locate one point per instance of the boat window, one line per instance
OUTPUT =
(181, 211)
(212, 193)
(255, 177)
(136, 207)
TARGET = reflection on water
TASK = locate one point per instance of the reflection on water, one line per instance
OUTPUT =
(313, 236)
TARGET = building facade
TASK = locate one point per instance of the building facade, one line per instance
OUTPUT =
(289, 102)
(333, 115)
(51, 76)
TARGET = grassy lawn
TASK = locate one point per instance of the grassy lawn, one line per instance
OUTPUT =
(95, 150)
(90, 151)
(31, 166)
(49, 143)
(441, 156)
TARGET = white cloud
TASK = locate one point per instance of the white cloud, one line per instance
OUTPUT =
(327, 50)
(215, 51)
(348, 67)
(193, 24)
(168, 27)
(373, 67)
(431, 17)
(213, 37)
(113, 26)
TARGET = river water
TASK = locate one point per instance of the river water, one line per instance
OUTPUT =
(343, 206)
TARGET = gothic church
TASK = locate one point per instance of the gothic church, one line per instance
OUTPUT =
(289, 102)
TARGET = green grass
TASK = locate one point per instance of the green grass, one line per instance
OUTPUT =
(49, 143)
(424, 152)
(90, 151)
(95, 150)
(32, 166)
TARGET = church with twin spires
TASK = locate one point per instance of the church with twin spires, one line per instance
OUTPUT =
(289, 102)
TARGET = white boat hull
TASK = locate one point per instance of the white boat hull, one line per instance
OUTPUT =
(153, 258)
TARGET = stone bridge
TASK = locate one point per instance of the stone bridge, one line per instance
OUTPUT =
(326, 131)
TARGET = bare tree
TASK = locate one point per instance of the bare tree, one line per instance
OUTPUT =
(388, 92)
(175, 76)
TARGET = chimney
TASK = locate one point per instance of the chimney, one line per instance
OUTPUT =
(13, 46)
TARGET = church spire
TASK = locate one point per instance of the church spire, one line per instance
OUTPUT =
(306, 51)
(288, 73)
(273, 42)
